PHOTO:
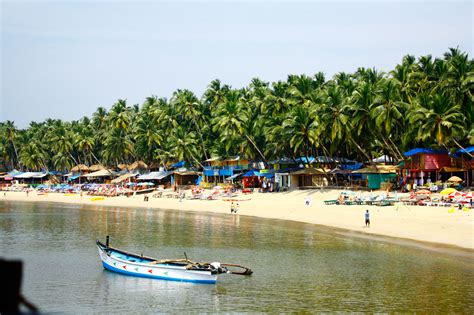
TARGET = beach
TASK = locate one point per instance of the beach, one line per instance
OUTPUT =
(418, 223)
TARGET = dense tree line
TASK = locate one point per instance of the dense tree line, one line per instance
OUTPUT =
(425, 102)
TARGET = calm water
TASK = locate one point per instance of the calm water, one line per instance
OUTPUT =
(298, 267)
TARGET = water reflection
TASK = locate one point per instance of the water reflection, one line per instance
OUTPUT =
(298, 267)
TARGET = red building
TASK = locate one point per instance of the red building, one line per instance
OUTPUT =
(424, 165)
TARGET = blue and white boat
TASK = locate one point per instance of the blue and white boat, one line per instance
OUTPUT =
(165, 269)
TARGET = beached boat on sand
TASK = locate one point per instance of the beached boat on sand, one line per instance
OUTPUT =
(166, 269)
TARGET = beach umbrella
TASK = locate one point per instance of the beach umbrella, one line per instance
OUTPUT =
(469, 195)
(447, 191)
(454, 179)
(455, 194)
(80, 168)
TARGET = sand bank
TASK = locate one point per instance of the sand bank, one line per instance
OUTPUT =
(427, 224)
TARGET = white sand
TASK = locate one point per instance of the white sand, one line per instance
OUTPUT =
(428, 224)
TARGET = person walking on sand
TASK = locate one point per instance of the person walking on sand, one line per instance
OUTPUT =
(367, 218)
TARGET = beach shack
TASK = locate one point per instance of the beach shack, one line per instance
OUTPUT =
(184, 177)
(309, 177)
(377, 177)
(100, 176)
(216, 170)
(423, 166)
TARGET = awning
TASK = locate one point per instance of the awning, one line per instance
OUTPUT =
(123, 178)
(154, 176)
(251, 173)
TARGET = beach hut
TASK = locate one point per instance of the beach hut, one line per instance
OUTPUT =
(423, 165)
(186, 177)
(100, 175)
(376, 176)
(163, 177)
(310, 177)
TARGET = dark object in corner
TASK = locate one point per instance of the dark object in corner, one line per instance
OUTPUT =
(11, 273)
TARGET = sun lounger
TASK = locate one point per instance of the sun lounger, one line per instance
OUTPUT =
(330, 202)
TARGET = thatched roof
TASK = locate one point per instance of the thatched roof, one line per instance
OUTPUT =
(80, 168)
(122, 166)
(138, 165)
(96, 167)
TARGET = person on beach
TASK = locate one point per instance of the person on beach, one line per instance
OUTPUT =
(27, 192)
(367, 218)
(232, 208)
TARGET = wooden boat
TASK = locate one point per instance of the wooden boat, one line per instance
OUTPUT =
(166, 269)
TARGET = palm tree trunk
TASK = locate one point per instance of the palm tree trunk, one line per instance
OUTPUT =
(362, 151)
(462, 148)
(202, 140)
(396, 148)
(258, 150)
(389, 147)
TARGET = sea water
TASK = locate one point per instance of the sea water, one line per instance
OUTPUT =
(297, 267)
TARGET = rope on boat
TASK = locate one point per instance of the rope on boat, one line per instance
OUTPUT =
(246, 271)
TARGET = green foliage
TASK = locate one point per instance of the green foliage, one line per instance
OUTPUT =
(422, 102)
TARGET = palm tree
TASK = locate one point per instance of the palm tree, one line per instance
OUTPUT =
(302, 130)
(190, 107)
(183, 145)
(11, 135)
(33, 156)
(437, 117)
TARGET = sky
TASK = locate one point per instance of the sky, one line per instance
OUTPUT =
(63, 59)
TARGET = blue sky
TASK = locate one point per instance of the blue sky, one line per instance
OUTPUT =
(64, 59)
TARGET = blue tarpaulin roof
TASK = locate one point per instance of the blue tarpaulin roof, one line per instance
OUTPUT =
(422, 150)
(466, 150)
(252, 173)
(352, 167)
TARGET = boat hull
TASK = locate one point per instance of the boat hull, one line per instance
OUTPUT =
(120, 263)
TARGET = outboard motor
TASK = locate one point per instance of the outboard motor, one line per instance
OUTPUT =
(216, 266)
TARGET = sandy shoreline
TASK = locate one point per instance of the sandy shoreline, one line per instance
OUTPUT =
(426, 224)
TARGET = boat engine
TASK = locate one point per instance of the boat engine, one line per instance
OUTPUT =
(217, 268)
